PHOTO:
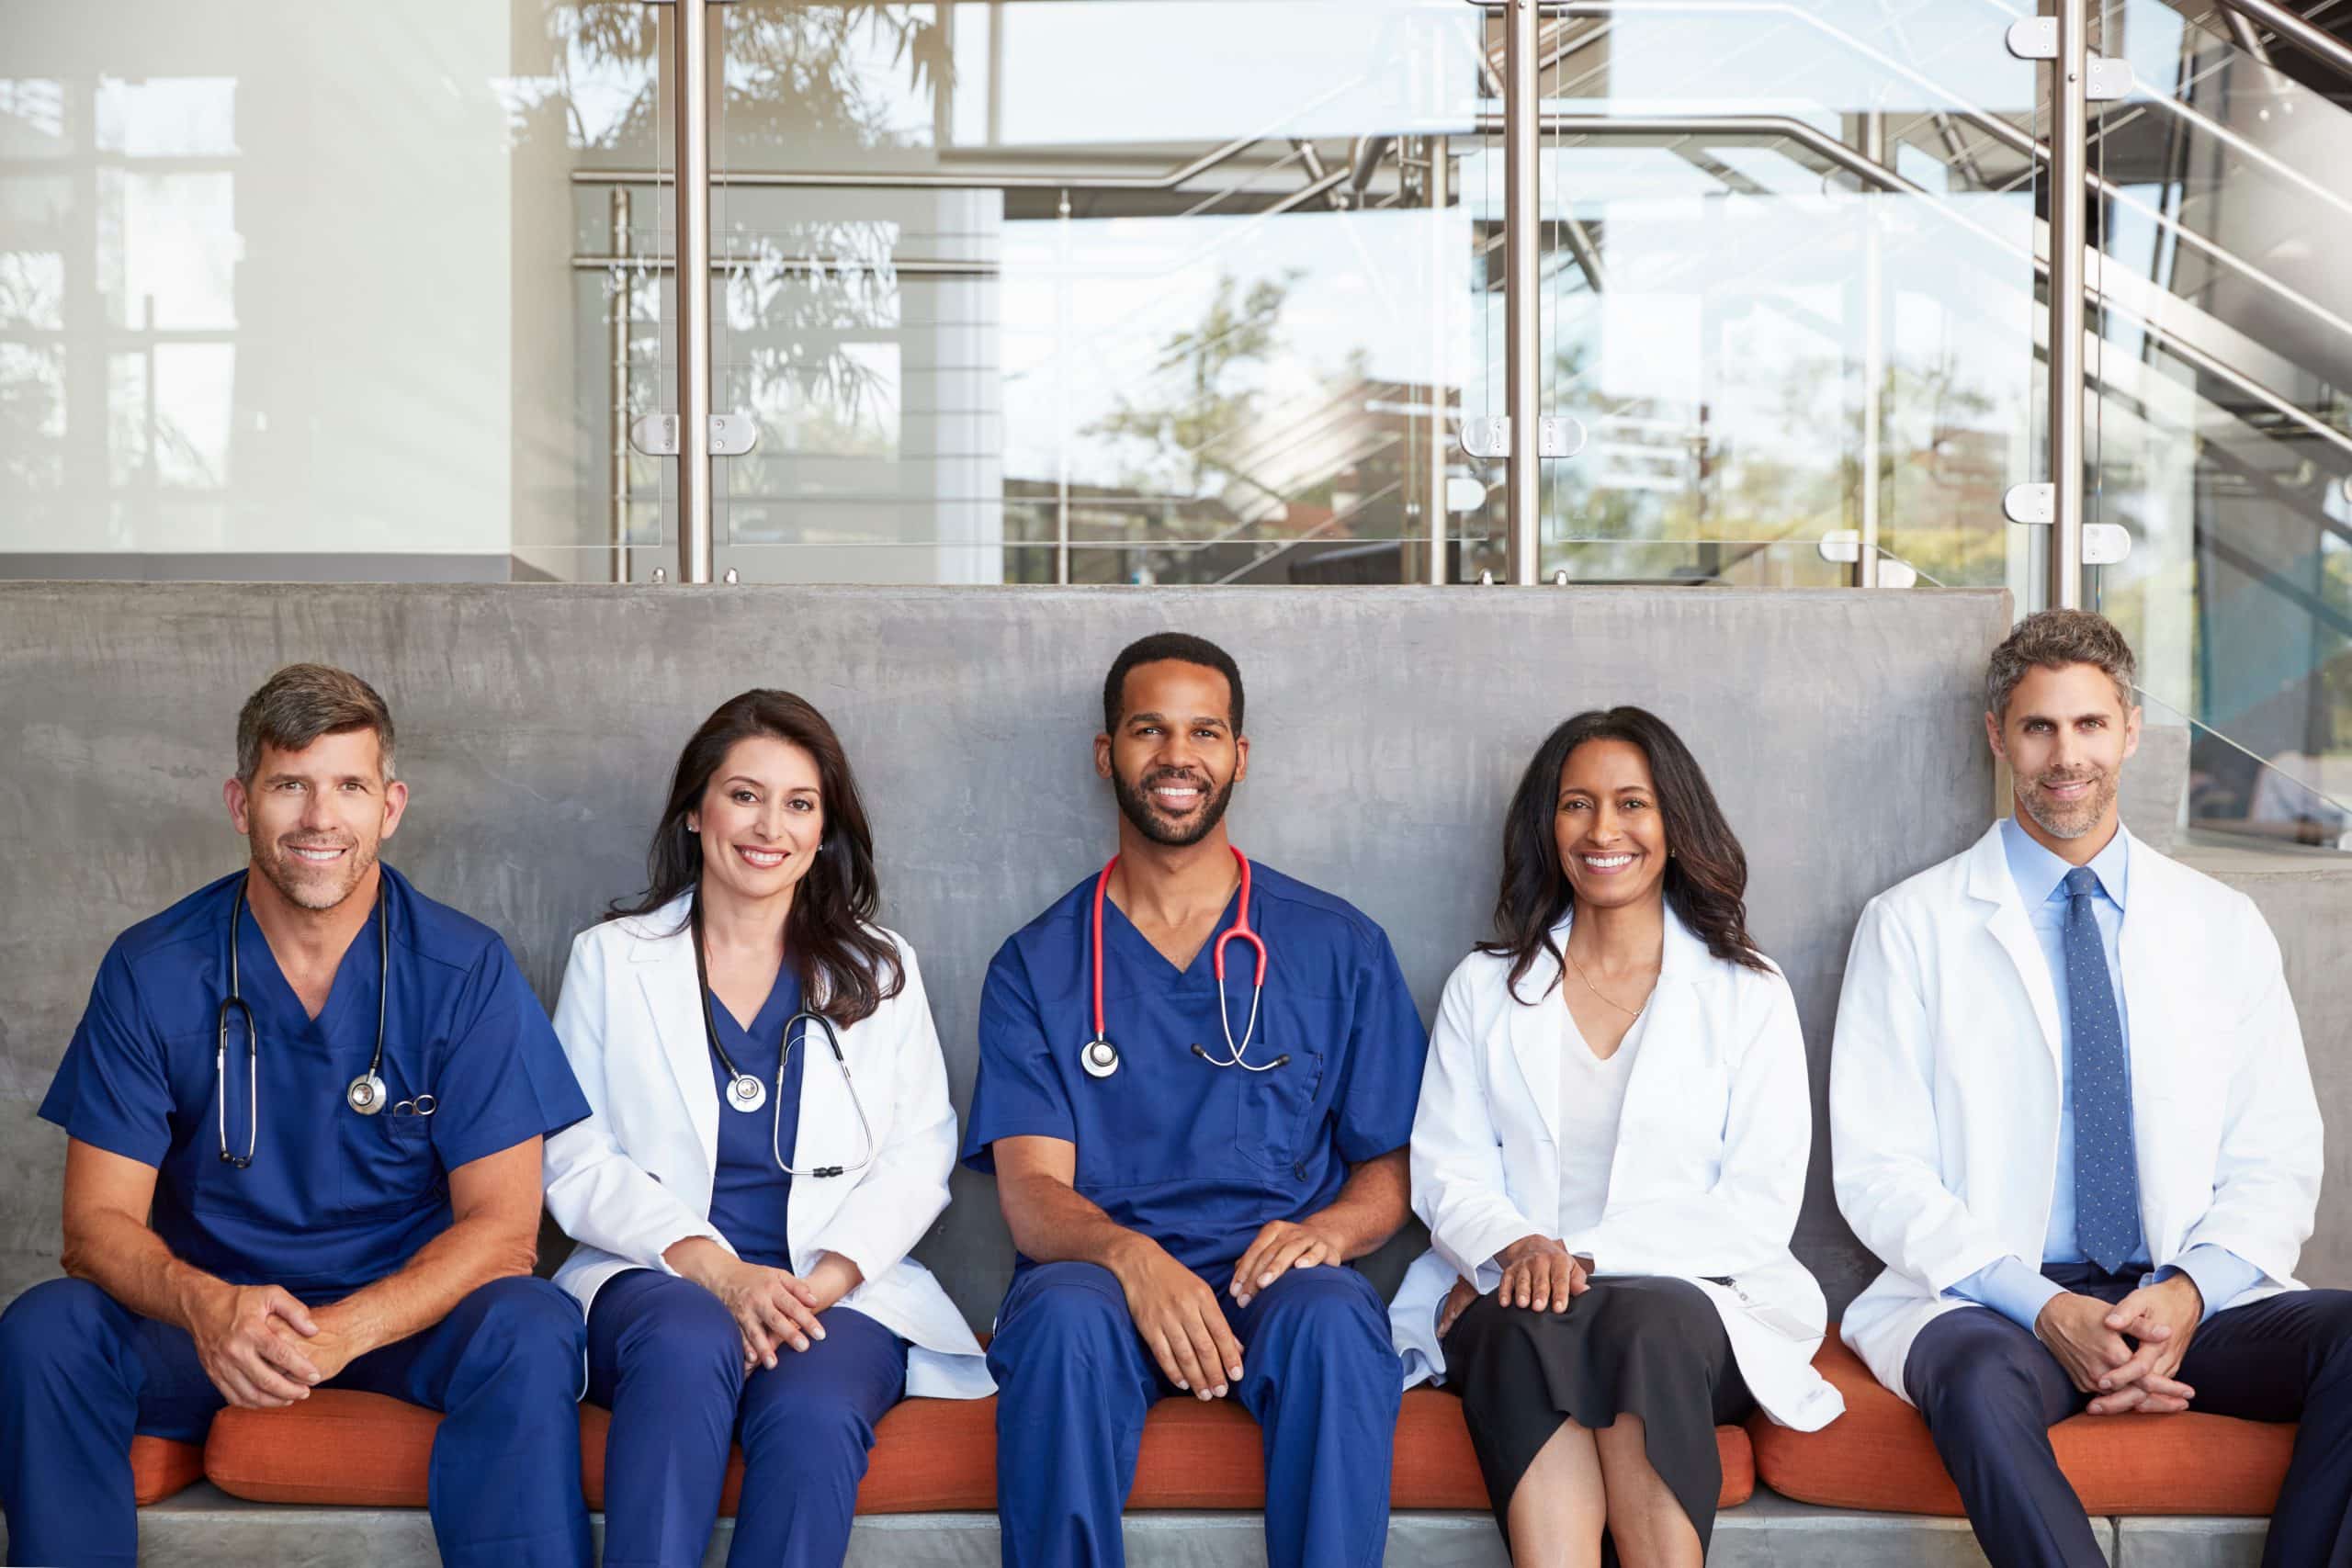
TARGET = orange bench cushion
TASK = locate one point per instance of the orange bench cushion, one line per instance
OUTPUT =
(159, 1467)
(930, 1456)
(1877, 1456)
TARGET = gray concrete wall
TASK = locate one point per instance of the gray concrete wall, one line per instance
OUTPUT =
(538, 726)
(2306, 896)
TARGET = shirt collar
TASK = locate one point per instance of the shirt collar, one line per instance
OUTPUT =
(2040, 875)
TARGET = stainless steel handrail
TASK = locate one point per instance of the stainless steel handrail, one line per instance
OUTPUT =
(2295, 30)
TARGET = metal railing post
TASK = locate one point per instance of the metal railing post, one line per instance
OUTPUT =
(691, 73)
(2069, 161)
(1522, 280)
(1873, 353)
(1441, 446)
(624, 297)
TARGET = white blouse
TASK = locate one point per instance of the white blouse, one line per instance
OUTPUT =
(1592, 1094)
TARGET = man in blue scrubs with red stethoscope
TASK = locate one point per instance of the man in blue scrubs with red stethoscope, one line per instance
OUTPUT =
(304, 1112)
(1196, 1085)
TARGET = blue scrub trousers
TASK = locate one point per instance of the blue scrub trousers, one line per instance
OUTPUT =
(1990, 1393)
(1074, 1382)
(666, 1358)
(80, 1373)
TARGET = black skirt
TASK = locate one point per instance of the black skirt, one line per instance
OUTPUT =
(1649, 1346)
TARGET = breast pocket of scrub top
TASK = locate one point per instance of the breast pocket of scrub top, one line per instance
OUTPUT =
(1274, 1108)
(389, 1159)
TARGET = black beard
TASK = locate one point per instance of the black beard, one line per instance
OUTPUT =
(1137, 809)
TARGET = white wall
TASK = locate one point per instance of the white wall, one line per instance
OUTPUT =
(318, 198)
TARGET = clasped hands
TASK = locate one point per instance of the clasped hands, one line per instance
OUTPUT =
(2125, 1356)
(262, 1349)
(1539, 1273)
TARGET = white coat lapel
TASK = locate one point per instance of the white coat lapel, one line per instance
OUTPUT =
(674, 995)
(1989, 880)
(1534, 1033)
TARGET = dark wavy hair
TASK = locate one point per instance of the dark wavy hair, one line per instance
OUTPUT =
(1706, 877)
(846, 969)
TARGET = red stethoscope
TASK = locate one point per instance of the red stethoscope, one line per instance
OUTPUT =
(1100, 1058)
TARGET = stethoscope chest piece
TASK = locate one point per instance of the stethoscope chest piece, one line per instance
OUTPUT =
(366, 1094)
(746, 1093)
(1100, 1058)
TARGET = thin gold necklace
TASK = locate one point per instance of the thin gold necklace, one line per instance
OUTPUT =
(1629, 1012)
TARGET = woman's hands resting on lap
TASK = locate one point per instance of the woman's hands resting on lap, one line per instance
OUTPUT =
(773, 1309)
(1539, 1273)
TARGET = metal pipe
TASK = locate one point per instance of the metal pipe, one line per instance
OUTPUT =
(1873, 353)
(618, 431)
(1522, 278)
(2069, 161)
(1363, 161)
(691, 73)
(919, 179)
(1441, 438)
(2297, 31)
(810, 265)
(1621, 126)
(2247, 39)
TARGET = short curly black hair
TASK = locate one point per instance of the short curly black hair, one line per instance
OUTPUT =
(1182, 646)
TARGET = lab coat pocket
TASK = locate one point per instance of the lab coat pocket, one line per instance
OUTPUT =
(1273, 1109)
(389, 1161)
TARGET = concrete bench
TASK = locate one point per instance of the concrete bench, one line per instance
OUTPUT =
(204, 1527)
(341, 1479)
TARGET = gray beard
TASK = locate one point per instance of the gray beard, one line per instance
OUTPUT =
(2092, 810)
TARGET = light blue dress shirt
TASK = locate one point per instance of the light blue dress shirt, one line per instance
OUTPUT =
(2010, 1286)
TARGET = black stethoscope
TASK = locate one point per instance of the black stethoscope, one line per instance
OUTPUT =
(747, 1094)
(1100, 1057)
(364, 1094)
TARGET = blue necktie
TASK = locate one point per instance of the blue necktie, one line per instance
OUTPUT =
(2106, 1172)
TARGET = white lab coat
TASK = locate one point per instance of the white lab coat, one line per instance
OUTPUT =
(1706, 1180)
(1944, 1086)
(636, 1176)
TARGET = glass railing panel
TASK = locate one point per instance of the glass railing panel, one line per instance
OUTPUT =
(2227, 194)
(2237, 594)
(1776, 304)
(1070, 346)
(981, 327)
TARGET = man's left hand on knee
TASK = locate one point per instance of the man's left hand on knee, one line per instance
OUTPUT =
(1280, 1247)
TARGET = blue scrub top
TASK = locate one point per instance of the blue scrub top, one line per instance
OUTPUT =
(333, 1199)
(1201, 1158)
(749, 1191)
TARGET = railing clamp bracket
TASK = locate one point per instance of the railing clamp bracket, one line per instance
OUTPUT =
(1557, 435)
(2036, 38)
(731, 434)
(2030, 504)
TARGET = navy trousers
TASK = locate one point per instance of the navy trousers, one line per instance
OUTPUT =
(667, 1359)
(80, 1373)
(1074, 1382)
(1990, 1393)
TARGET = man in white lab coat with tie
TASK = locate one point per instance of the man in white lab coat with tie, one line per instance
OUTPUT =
(2070, 1111)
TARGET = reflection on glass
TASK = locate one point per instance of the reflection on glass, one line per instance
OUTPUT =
(2223, 439)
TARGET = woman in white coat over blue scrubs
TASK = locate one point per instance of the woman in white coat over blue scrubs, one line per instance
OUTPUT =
(744, 1210)
(1609, 1152)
